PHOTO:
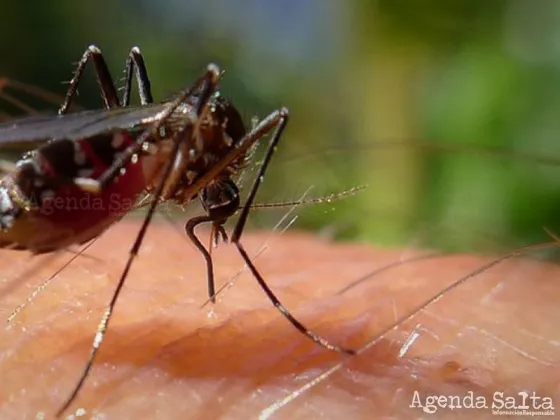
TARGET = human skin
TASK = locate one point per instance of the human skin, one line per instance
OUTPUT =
(165, 357)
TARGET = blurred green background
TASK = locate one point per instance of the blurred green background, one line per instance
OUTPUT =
(401, 95)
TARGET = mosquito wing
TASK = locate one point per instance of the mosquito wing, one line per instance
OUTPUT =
(39, 129)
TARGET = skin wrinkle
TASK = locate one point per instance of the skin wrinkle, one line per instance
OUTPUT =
(510, 346)
(164, 357)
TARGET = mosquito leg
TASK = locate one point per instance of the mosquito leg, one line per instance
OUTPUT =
(102, 327)
(135, 59)
(210, 80)
(278, 121)
(46, 282)
(104, 79)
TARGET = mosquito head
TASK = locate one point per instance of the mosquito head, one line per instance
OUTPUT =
(220, 199)
(228, 117)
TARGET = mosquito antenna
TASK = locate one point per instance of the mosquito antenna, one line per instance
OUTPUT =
(144, 201)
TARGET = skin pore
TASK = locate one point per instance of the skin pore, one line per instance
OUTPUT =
(165, 357)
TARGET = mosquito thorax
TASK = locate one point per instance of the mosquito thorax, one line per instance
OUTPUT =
(222, 126)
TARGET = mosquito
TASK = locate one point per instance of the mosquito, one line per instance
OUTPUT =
(188, 147)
